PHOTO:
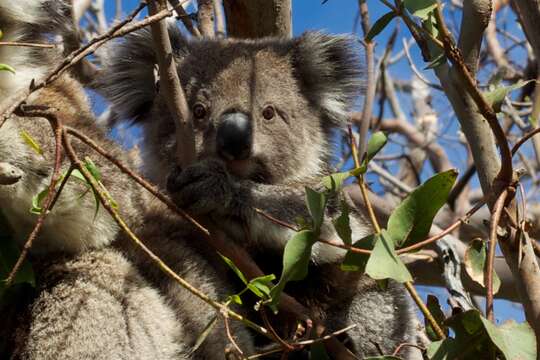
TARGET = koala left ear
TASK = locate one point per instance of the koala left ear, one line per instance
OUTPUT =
(328, 68)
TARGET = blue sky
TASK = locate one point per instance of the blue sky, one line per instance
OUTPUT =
(338, 16)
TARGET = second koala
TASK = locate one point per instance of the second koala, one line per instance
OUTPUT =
(264, 112)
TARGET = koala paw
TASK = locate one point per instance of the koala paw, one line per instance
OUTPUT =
(201, 188)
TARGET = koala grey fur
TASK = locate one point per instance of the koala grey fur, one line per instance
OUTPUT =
(309, 83)
(95, 298)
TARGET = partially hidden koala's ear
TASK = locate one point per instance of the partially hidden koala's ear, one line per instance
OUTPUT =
(328, 68)
(129, 78)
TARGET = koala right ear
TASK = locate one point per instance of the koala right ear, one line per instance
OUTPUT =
(129, 78)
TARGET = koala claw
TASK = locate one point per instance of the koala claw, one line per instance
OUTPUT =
(201, 188)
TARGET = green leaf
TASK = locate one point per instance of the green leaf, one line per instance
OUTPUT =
(92, 168)
(375, 144)
(475, 263)
(447, 349)
(496, 97)
(295, 261)
(37, 201)
(379, 25)
(420, 8)
(31, 142)
(435, 309)
(515, 341)
(384, 262)
(236, 299)
(334, 182)
(316, 203)
(6, 67)
(342, 224)
(410, 222)
(356, 261)
(262, 285)
(236, 270)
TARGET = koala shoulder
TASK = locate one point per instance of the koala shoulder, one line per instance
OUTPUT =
(96, 305)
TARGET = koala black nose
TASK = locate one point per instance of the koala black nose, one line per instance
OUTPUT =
(234, 136)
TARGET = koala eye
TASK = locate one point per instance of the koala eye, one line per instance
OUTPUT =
(199, 111)
(269, 112)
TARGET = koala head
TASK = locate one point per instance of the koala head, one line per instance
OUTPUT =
(265, 107)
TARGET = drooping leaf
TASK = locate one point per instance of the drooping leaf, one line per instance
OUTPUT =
(234, 268)
(355, 261)
(410, 222)
(384, 262)
(515, 341)
(262, 285)
(475, 263)
(420, 8)
(476, 335)
(295, 261)
(316, 203)
(375, 144)
(435, 309)
(92, 168)
(29, 140)
(380, 25)
(334, 182)
(37, 201)
(496, 96)
(6, 67)
(342, 224)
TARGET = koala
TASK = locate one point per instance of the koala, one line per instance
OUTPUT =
(98, 297)
(264, 112)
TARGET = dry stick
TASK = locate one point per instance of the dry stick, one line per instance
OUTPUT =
(369, 96)
(25, 44)
(408, 285)
(526, 137)
(205, 16)
(184, 17)
(488, 271)
(164, 267)
(230, 335)
(173, 92)
(219, 17)
(456, 58)
(56, 127)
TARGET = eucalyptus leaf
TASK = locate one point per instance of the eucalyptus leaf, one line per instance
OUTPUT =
(435, 309)
(296, 258)
(420, 8)
(316, 203)
(380, 25)
(6, 67)
(234, 268)
(29, 140)
(475, 263)
(515, 341)
(384, 262)
(356, 261)
(411, 221)
(496, 96)
(375, 144)
(342, 224)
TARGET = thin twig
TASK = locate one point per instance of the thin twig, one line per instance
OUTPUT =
(56, 126)
(25, 44)
(492, 245)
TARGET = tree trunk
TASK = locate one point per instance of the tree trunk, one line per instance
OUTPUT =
(258, 18)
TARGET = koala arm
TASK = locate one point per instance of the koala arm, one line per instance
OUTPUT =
(207, 188)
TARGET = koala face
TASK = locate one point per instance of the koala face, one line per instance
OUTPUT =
(264, 107)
